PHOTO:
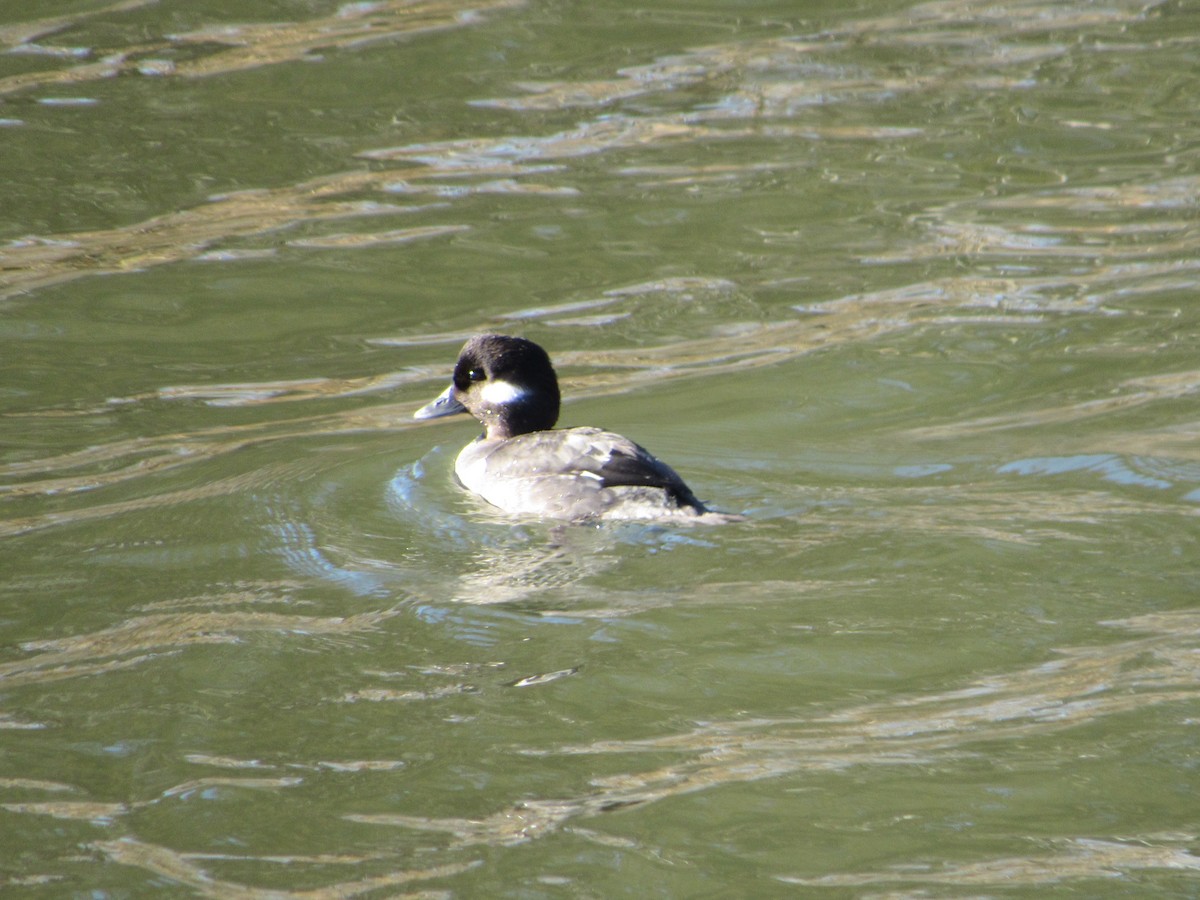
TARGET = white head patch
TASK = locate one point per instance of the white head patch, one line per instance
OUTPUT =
(501, 393)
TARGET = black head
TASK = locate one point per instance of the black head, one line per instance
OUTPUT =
(507, 383)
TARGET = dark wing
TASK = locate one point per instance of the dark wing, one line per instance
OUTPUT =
(628, 463)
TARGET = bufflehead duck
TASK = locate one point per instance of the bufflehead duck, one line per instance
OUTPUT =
(525, 466)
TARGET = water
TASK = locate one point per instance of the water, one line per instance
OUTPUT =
(911, 285)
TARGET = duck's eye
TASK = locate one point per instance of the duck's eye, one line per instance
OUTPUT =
(476, 375)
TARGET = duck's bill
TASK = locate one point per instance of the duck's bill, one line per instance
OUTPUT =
(444, 405)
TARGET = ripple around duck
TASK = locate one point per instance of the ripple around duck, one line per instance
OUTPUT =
(497, 561)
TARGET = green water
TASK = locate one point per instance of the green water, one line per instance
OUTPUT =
(913, 286)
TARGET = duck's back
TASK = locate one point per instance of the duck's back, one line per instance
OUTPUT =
(575, 473)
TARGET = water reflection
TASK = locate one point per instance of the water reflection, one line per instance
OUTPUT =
(1068, 860)
(203, 620)
(222, 49)
(186, 869)
(1084, 686)
(772, 80)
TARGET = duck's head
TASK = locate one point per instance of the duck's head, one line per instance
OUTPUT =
(507, 383)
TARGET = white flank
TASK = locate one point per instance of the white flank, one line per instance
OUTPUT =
(499, 393)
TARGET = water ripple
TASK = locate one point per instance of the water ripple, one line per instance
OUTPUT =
(1084, 685)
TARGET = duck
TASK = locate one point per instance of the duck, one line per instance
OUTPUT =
(524, 466)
